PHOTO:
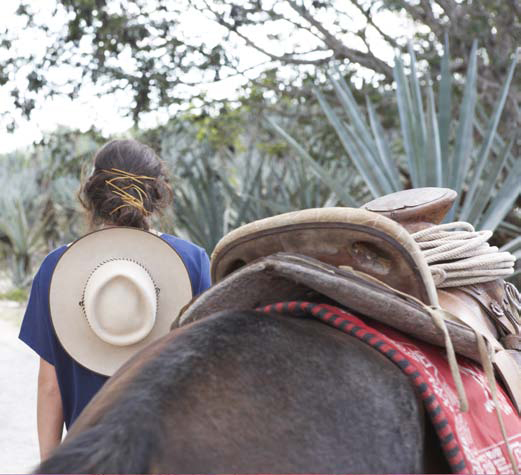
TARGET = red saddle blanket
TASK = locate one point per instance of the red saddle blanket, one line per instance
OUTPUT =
(472, 440)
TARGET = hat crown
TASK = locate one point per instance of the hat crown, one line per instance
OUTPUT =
(120, 302)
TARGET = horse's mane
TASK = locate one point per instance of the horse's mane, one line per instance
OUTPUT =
(246, 384)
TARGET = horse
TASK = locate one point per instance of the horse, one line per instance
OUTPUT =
(250, 392)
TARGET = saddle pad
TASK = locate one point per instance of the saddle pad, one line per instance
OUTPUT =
(471, 441)
(287, 276)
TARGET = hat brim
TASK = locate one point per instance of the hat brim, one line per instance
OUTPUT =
(72, 271)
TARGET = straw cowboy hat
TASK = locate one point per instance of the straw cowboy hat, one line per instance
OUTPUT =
(113, 292)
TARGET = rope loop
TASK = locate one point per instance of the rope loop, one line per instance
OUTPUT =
(459, 255)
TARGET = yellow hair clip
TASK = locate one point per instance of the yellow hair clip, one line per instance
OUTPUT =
(128, 199)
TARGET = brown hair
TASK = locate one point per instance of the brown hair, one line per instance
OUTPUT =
(129, 183)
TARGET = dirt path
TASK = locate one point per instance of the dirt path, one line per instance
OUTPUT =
(18, 373)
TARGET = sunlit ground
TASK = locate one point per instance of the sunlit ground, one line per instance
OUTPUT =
(18, 373)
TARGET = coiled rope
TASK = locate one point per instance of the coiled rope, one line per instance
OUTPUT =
(459, 255)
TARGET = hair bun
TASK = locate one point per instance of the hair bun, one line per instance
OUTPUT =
(129, 184)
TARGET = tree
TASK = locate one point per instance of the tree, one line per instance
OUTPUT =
(144, 48)
(163, 53)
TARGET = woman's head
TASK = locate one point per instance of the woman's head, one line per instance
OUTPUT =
(127, 186)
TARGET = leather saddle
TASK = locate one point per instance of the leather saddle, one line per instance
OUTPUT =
(366, 261)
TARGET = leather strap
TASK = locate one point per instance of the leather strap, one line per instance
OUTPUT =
(501, 302)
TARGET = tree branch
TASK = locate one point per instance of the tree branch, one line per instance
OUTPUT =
(341, 51)
(285, 58)
(428, 13)
(448, 7)
(516, 7)
(369, 18)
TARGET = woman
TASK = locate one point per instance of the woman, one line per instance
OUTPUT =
(128, 186)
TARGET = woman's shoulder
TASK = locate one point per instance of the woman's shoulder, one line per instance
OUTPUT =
(50, 260)
(180, 244)
(196, 260)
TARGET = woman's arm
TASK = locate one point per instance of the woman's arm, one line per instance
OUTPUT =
(49, 410)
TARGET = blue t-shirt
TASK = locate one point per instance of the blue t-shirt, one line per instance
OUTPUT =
(78, 384)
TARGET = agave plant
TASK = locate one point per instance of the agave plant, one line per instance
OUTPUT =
(37, 199)
(217, 191)
(486, 175)
(65, 209)
(61, 162)
(23, 220)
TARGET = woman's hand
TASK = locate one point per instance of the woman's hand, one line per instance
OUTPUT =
(49, 410)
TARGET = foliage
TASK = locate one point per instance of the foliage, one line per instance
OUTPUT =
(23, 220)
(63, 158)
(221, 184)
(16, 295)
(494, 24)
(37, 198)
(146, 49)
(485, 175)
(227, 165)
(225, 171)
(149, 50)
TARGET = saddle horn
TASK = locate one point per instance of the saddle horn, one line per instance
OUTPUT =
(415, 209)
